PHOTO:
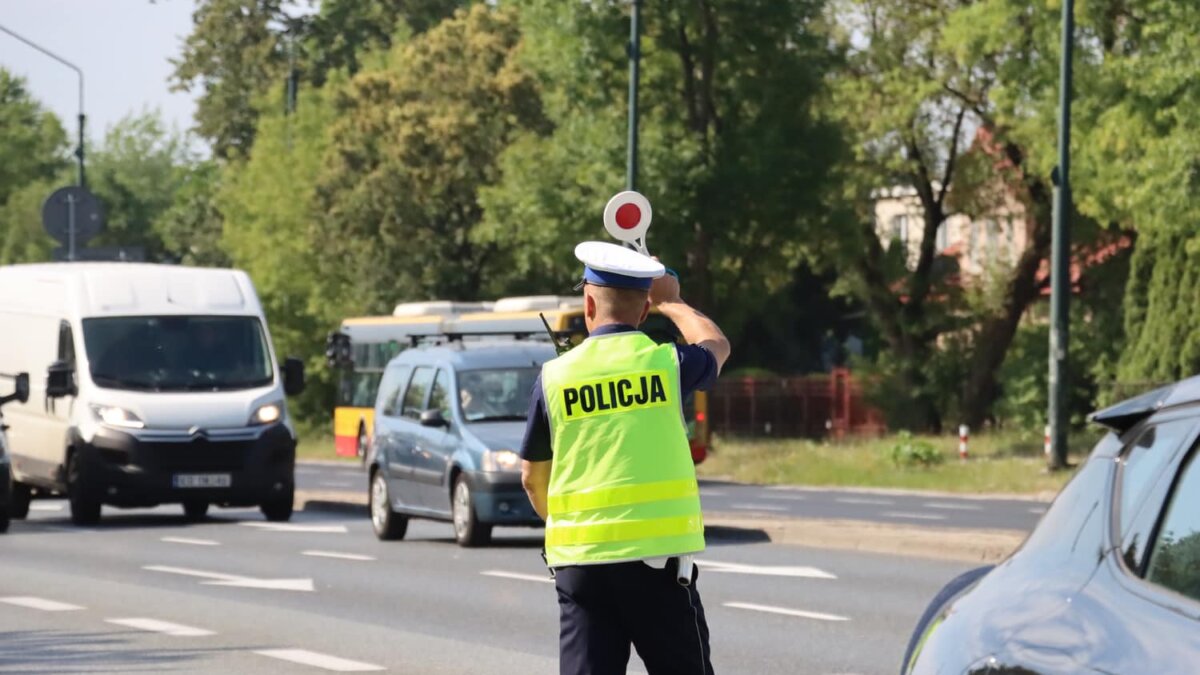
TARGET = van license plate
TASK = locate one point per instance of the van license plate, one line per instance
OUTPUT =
(202, 480)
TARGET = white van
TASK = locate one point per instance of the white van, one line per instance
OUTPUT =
(150, 384)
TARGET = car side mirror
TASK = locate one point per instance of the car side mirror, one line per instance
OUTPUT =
(293, 376)
(60, 380)
(433, 418)
(20, 392)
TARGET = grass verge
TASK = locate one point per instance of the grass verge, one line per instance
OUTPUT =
(318, 444)
(1005, 462)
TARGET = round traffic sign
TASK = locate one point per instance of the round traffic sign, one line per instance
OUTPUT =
(627, 217)
(72, 206)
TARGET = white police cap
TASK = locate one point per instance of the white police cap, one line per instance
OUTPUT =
(608, 264)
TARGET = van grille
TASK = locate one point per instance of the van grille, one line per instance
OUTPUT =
(199, 455)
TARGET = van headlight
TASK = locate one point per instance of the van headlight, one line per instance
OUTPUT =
(501, 460)
(115, 416)
(267, 413)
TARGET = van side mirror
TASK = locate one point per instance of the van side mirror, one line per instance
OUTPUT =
(21, 391)
(293, 376)
(433, 418)
(60, 380)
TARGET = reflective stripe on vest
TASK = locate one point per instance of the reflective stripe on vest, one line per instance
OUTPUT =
(622, 483)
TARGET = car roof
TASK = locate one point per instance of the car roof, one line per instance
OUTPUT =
(1125, 415)
(479, 354)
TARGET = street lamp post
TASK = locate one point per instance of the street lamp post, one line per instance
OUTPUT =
(82, 118)
(635, 54)
(1060, 275)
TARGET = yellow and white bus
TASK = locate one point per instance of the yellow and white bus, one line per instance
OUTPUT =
(362, 347)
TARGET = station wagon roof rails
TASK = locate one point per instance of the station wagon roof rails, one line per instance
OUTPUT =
(1124, 415)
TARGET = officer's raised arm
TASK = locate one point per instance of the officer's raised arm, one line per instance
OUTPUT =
(696, 328)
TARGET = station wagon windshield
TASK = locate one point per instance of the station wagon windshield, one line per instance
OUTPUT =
(496, 395)
(178, 353)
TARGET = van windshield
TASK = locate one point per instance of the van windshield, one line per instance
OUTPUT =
(178, 353)
(496, 395)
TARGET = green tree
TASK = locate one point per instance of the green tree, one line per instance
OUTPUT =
(412, 145)
(191, 227)
(32, 140)
(136, 173)
(732, 155)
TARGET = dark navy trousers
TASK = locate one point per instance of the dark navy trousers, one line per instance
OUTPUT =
(605, 609)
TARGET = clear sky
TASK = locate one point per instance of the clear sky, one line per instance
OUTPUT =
(122, 46)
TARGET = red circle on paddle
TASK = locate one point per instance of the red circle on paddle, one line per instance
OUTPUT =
(628, 216)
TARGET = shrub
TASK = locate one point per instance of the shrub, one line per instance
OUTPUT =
(908, 451)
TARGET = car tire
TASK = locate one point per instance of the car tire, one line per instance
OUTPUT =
(81, 495)
(5, 519)
(468, 531)
(388, 525)
(279, 509)
(20, 495)
(195, 511)
(944, 596)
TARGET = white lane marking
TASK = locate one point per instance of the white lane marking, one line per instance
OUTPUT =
(794, 498)
(298, 527)
(1038, 510)
(917, 516)
(45, 507)
(759, 507)
(336, 483)
(335, 554)
(193, 542)
(765, 570)
(318, 660)
(711, 493)
(220, 579)
(950, 506)
(819, 616)
(516, 575)
(864, 500)
(40, 603)
(165, 627)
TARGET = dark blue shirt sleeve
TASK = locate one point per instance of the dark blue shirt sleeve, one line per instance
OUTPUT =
(535, 447)
(697, 369)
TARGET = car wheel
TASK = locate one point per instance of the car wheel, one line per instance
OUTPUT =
(279, 509)
(4, 519)
(467, 528)
(360, 446)
(948, 592)
(195, 511)
(388, 524)
(20, 495)
(84, 502)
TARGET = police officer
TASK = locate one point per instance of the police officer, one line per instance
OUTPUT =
(608, 466)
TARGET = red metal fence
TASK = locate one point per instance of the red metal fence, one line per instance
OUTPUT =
(812, 406)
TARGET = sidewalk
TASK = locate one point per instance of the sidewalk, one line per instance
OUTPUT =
(973, 546)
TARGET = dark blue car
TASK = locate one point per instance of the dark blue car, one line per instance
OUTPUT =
(448, 426)
(1109, 581)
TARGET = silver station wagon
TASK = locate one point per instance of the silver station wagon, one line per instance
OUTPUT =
(448, 425)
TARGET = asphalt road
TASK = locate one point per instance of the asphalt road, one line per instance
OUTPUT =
(739, 499)
(147, 592)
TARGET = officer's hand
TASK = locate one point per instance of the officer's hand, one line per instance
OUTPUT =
(664, 289)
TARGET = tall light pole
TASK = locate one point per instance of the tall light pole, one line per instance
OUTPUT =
(635, 55)
(82, 179)
(1060, 274)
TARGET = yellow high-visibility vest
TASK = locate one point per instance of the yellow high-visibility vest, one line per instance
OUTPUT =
(622, 485)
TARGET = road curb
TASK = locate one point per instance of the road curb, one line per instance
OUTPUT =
(939, 543)
(1044, 497)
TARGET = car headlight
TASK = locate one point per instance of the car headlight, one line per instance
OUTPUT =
(501, 460)
(115, 416)
(267, 413)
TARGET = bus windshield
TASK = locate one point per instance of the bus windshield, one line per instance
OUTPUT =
(496, 395)
(178, 353)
